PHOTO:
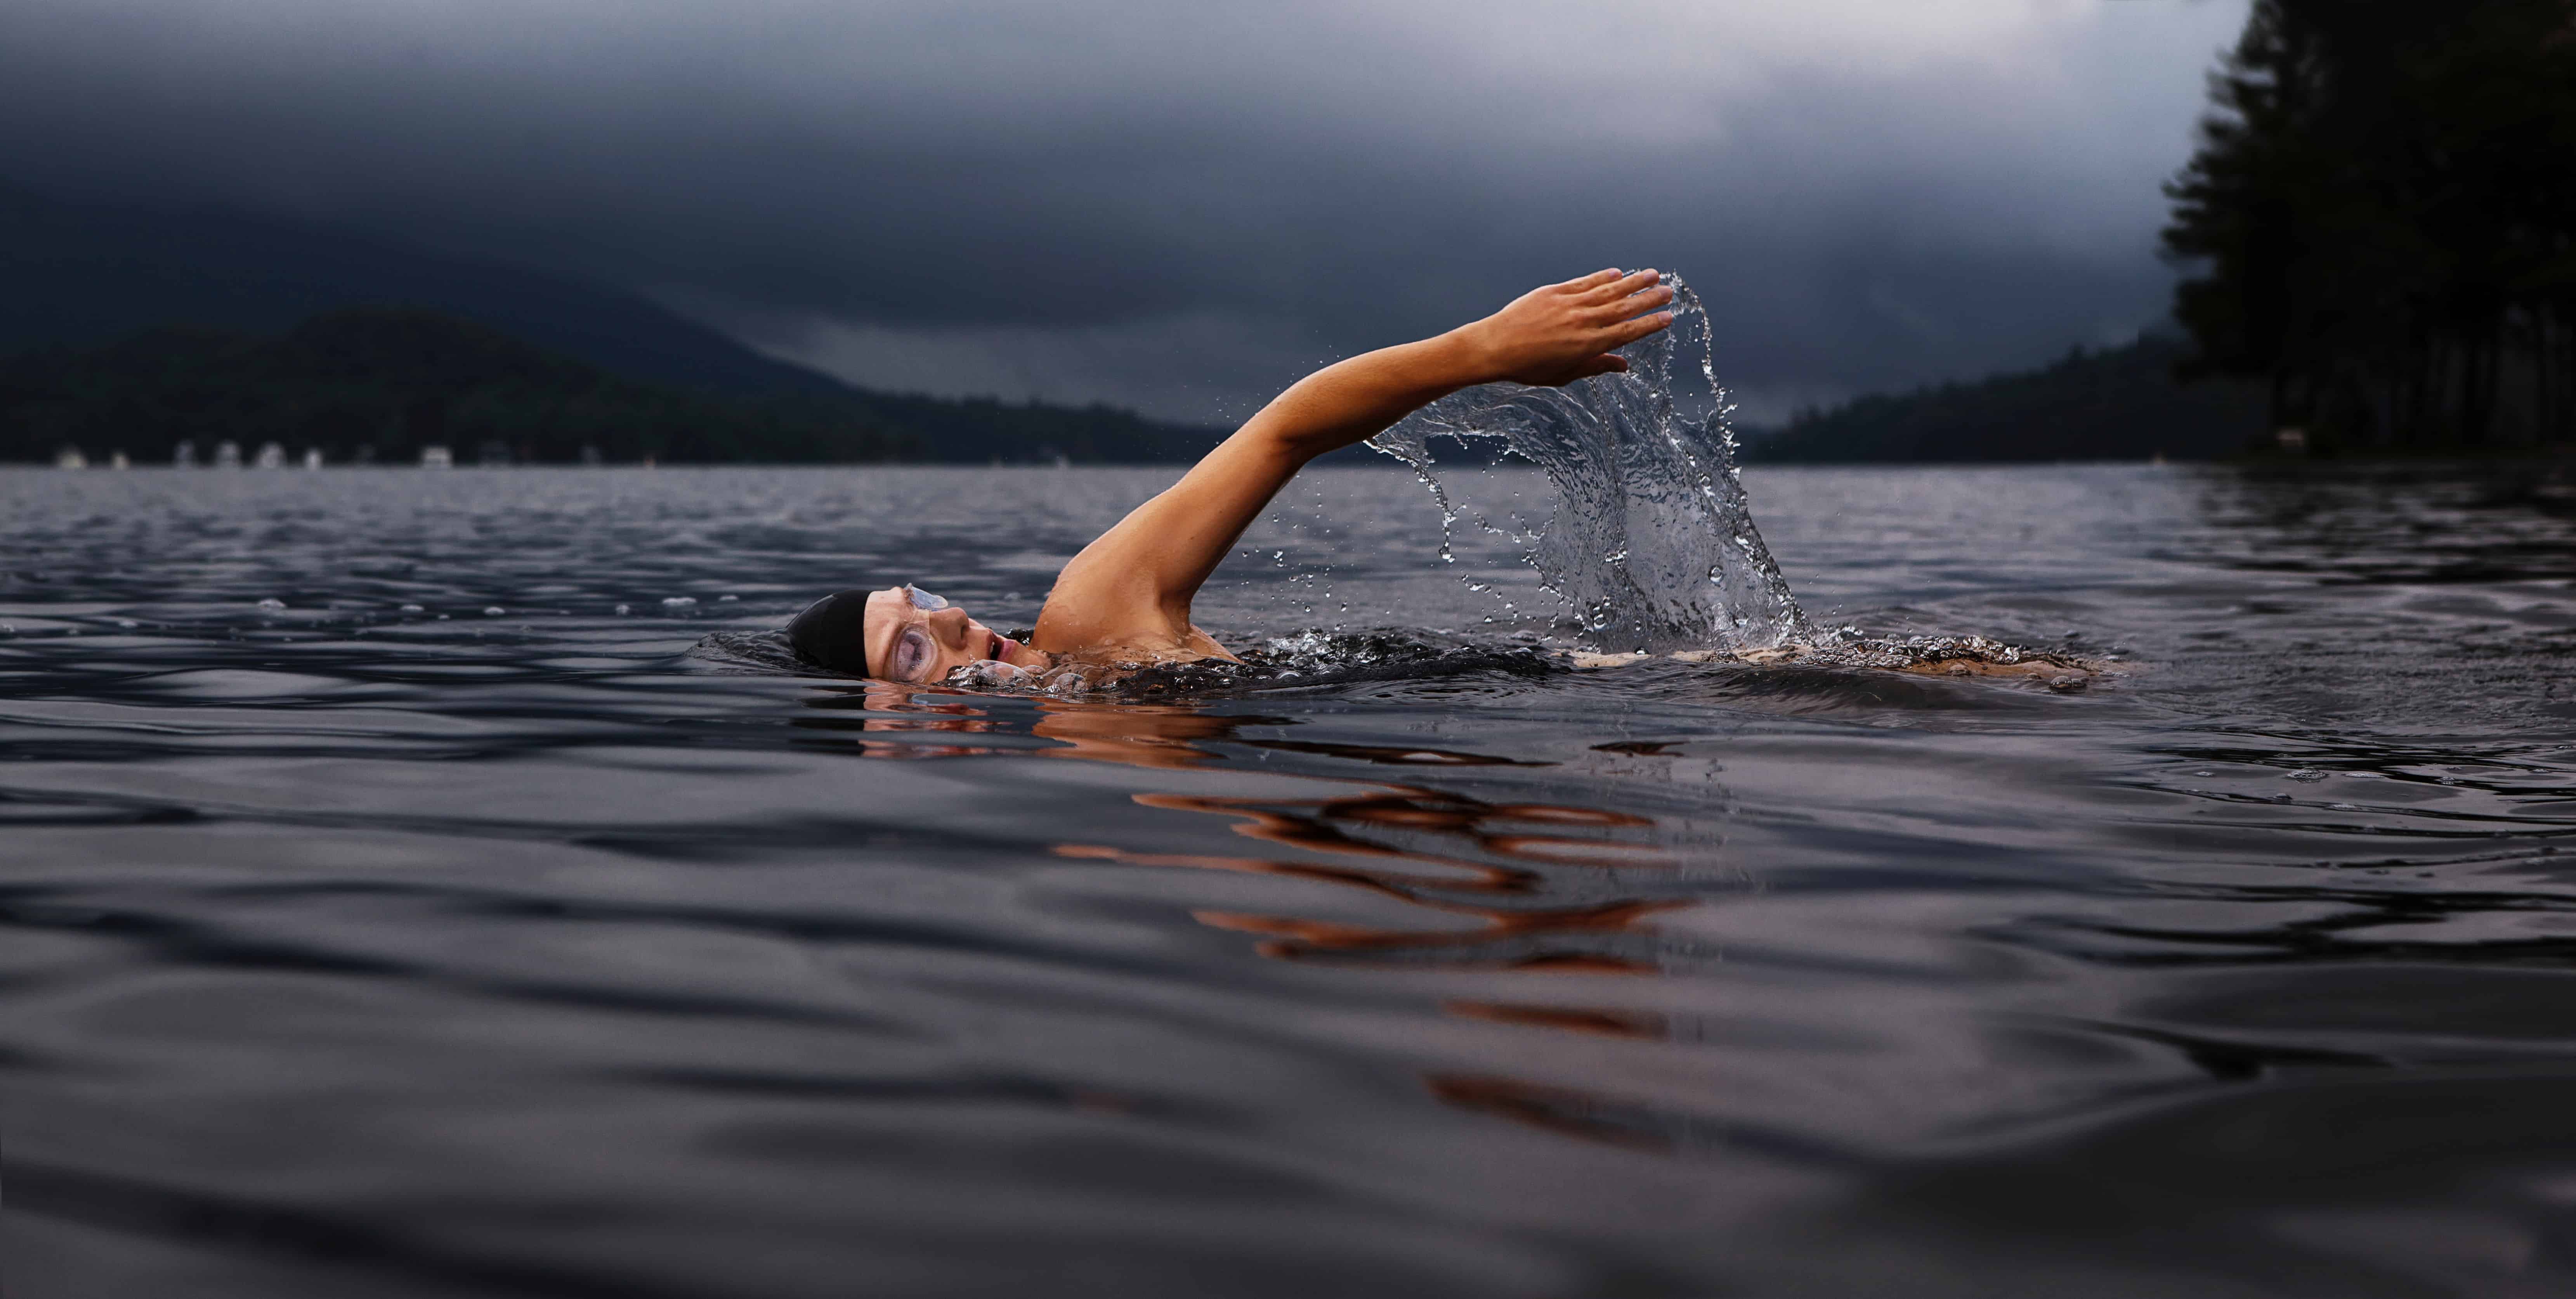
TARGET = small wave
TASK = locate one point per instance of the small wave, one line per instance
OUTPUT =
(1956, 656)
(753, 653)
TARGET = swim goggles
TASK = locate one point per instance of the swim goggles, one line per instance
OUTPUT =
(909, 657)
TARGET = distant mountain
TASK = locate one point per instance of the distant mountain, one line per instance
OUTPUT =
(380, 384)
(78, 277)
(2120, 403)
(89, 274)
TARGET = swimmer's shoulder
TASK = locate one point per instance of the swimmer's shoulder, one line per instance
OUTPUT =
(1115, 660)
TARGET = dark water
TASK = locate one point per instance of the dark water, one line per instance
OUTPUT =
(358, 953)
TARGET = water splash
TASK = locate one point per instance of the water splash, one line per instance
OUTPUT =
(1652, 543)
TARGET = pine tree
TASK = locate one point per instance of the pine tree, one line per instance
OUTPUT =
(2382, 214)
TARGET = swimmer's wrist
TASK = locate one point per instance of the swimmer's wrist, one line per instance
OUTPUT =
(1467, 356)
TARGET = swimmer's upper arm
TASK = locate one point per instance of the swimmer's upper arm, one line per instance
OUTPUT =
(1153, 562)
(1140, 576)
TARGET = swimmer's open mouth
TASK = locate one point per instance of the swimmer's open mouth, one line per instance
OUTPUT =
(1000, 648)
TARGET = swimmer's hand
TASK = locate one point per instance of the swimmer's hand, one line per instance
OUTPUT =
(1552, 336)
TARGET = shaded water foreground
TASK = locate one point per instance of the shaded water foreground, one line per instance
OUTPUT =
(501, 947)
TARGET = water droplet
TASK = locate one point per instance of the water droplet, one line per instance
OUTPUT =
(623, 610)
(493, 611)
(272, 604)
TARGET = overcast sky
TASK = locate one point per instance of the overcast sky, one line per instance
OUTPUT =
(1182, 204)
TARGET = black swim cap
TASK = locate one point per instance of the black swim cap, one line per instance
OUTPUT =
(833, 633)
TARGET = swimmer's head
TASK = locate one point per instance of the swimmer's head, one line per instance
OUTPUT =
(901, 633)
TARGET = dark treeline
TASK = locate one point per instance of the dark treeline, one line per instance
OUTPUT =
(2382, 218)
(381, 384)
(2119, 403)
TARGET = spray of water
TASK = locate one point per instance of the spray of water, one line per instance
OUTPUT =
(1651, 544)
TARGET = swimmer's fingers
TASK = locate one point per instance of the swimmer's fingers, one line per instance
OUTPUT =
(1629, 331)
(1588, 283)
(1629, 307)
(1604, 292)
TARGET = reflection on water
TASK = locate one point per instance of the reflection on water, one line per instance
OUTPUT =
(361, 942)
(1543, 887)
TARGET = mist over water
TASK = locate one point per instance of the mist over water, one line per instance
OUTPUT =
(1651, 540)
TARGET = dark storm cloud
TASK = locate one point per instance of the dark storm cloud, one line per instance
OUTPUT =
(1182, 204)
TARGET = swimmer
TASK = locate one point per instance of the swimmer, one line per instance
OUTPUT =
(1124, 602)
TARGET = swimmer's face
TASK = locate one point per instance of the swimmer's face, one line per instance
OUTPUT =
(914, 636)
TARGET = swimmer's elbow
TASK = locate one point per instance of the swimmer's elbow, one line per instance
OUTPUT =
(1295, 438)
(1278, 444)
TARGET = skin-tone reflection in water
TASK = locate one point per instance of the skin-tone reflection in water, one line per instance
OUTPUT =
(1500, 886)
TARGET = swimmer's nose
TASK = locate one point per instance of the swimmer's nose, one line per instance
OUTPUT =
(950, 624)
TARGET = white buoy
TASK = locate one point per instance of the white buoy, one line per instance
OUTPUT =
(228, 455)
(436, 458)
(271, 456)
(117, 460)
(70, 458)
(313, 457)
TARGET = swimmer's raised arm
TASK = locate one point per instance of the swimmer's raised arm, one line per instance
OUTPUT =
(1133, 586)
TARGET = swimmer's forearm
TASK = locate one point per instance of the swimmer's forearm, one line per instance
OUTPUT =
(1354, 400)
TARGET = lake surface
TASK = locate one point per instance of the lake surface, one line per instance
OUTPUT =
(518, 946)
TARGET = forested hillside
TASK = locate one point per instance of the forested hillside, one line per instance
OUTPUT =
(380, 384)
(2120, 403)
